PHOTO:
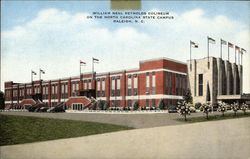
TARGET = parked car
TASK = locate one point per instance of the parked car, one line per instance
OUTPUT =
(172, 108)
(32, 109)
(43, 109)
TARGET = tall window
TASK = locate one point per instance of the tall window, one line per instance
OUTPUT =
(98, 87)
(103, 87)
(113, 86)
(90, 84)
(118, 86)
(200, 84)
(147, 102)
(129, 85)
(135, 84)
(147, 83)
(153, 82)
(85, 84)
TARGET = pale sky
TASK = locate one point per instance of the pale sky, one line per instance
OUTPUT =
(55, 35)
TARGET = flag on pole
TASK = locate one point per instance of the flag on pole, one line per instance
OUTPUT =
(193, 44)
(223, 42)
(33, 72)
(43, 72)
(230, 45)
(243, 50)
(82, 63)
(210, 40)
(95, 60)
(237, 47)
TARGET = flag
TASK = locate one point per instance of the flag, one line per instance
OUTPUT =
(94, 59)
(193, 44)
(230, 45)
(223, 42)
(82, 63)
(210, 40)
(43, 72)
(33, 72)
(237, 47)
(243, 50)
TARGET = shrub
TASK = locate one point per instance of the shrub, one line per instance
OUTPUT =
(197, 105)
(183, 109)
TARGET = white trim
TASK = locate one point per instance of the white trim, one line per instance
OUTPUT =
(101, 98)
(64, 99)
(86, 79)
(102, 76)
(116, 98)
(7, 102)
(156, 96)
(75, 80)
(54, 82)
(156, 70)
(36, 84)
(14, 101)
(45, 100)
(116, 75)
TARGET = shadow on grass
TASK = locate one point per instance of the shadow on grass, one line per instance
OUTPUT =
(22, 129)
(211, 117)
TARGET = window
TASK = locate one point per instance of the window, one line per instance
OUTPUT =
(118, 86)
(147, 83)
(135, 84)
(85, 84)
(90, 84)
(153, 82)
(147, 102)
(200, 84)
(129, 103)
(77, 106)
(129, 85)
(153, 102)
(113, 86)
(103, 87)
(118, 102)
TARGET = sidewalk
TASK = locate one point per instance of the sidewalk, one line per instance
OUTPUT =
(225, 139)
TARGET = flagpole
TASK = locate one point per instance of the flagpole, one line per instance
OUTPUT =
(221, 48)
(190, 55)
(241, 57)
(208, 52)
(39, 74)
(228, 51)
(31, 76)
(92, 68)
(235, 54)
(80, 71)
(238, 57)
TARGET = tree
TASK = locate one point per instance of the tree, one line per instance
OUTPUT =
(183, 109)
(161, 104)
(206, 108)
(222, 108)
(244, 107)
(188, 97)
(235, 108)
(100, 104)
(136, 105)
(197, 105)
(2, 100)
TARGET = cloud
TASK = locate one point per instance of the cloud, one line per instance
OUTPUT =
(56, 40)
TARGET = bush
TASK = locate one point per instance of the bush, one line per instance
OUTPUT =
(197, 105)
(161, 104)
(136, 105)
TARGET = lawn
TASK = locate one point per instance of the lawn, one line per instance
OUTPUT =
(229, 115)
(20, 129)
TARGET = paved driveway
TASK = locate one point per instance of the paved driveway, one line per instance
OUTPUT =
(139, 120)
(225, 139)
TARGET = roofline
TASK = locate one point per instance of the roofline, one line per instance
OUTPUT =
(162, 58)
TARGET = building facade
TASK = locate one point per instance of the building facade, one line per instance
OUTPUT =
(213, 80)
(154, 80)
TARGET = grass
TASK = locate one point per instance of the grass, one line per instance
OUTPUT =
(215, 117)
(21, 129)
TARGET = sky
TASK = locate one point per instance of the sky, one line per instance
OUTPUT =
(55, 35)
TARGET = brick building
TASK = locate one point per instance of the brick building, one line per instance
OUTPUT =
(155, 79)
